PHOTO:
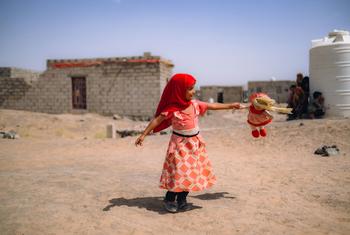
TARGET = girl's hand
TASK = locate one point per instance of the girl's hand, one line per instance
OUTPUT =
(139, 140)
(236, 106)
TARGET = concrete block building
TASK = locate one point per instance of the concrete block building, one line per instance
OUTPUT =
(27, 75)
(128, 86)
(221, 94)
(277, 90)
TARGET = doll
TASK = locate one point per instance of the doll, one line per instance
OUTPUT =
(259, 115)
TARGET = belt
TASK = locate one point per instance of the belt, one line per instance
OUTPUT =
(175, 133)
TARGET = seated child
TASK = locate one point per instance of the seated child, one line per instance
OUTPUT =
(316, 108)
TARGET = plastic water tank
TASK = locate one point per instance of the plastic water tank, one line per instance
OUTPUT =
(329, 71)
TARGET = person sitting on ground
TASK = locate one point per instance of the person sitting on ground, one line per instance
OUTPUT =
(295, 101)
(316, 108)
(291, 102)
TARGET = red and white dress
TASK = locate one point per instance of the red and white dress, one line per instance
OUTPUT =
(258, 118)
(187, 166)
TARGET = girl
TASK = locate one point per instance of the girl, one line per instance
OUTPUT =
(186, 167)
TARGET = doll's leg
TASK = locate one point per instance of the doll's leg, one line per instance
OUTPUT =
(255, 131)
(263, 131)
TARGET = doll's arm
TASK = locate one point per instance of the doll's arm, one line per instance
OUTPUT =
(269, 114)
(152, 124)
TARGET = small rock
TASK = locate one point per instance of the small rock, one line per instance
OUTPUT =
(326, 151)
(111, 131)
(117, 117)
(9, 134)
(125, 133)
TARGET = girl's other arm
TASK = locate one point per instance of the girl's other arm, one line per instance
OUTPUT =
(153, 124)
(218, 106)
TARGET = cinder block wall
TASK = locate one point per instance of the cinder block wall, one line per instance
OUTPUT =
(12, 90)
(277, 90)
(15, 83)
(44, 94)
(128, 86)
(12, 72)
(233, 94)
(207, 92)
(230, 93)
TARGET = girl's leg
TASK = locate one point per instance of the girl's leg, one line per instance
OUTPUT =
(182, 196)
(182, 202)
(170, 196)
(169, 202)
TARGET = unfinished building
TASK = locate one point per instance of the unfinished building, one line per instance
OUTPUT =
(277, 90)
(221, 94)
(128, 86)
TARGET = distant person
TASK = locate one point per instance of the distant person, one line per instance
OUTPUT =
(296, 95)
(316, 108)
(306, 95)
(305, 85)
(187, 166)
(298, 99)
(299, 79)
(290, 101)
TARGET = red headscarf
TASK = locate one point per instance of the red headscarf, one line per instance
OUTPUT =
(174, 97)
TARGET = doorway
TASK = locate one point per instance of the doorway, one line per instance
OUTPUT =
(220, 97)
(79, 92)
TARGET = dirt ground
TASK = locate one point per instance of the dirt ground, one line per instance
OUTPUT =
(62, 176)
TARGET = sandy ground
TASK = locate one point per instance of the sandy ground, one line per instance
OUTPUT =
(64, 177)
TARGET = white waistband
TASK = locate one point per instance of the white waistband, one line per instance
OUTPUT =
(187, 132)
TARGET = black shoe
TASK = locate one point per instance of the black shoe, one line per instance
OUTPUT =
(170, 206)
(183, 206)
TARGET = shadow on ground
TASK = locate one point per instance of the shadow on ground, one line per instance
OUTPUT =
(212, 196)
(156, 203)
(149, 203)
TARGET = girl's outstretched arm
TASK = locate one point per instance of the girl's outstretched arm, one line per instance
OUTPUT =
(152, 124)
(218, 106)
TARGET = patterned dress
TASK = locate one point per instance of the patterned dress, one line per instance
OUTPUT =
(187, 166)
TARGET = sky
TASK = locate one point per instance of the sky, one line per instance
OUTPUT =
(220, 42)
